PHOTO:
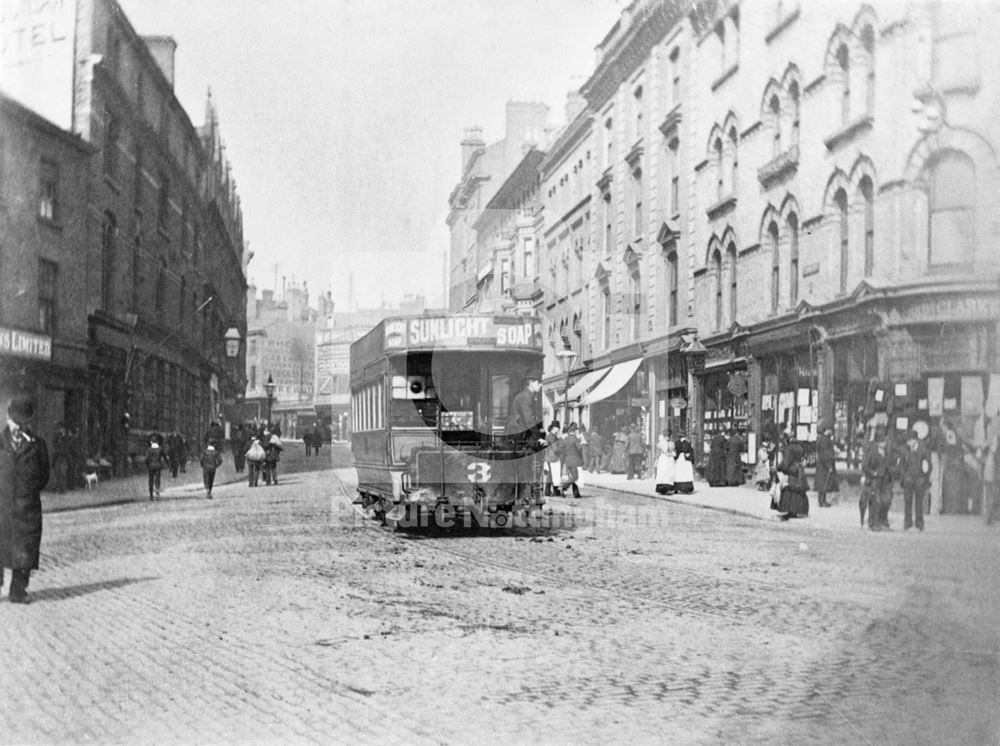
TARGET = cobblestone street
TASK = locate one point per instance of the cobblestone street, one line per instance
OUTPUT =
(278, 614)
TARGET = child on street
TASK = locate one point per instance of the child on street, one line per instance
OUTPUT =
(255, 459)
(155, 461)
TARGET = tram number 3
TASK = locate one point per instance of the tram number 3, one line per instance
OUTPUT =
(479, 471)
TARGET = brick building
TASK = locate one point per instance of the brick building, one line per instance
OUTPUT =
(43, 209)
(163, 279)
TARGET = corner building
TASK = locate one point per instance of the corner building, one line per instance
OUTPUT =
(164, 277)
(846, 245)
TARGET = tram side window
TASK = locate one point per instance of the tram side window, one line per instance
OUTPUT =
(500, 405)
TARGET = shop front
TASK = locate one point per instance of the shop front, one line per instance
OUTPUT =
(618, 399)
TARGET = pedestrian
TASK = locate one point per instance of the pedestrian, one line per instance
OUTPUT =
(991, 474)
(155, 461)
(255, 460)
(826, 466)
(24, 472)
(237, 444)
(635, 449)
(173, 452)
(571, 453)
(596, 451)
(794, 500)
(272, 455)
(715, 469)
(915, 475)
(665, 463)
(317, 438)
(683, 466)
(525, 420)
(876, 467)
(735, 447)
(619, 458)
(214, 433)
(762, 472)
(211, 460)
(182, 453)
(553, 466)
(60, 457)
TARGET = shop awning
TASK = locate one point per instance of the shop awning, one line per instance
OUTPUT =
(586, 382)
(612, 383)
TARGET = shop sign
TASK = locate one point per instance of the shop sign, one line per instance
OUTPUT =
(678, 402)
(946, 309)
(637, 401)
(25, 344)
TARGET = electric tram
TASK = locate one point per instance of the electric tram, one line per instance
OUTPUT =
(430, 398)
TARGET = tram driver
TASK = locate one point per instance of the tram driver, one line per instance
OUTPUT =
(524, 422)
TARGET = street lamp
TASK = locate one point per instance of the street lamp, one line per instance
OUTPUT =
(269, 388)
(232, 338)
(566, 356)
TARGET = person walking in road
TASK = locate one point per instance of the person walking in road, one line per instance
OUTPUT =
(255, 461)
(915, 468)
(211, 460)
(635, 449)
(60, 458)
(238, 445)
(272, 455)
(665, 462)
(24, 472)
(155, 461)
(553, 465)
(571, 452)
(826, 466)
(876, 466)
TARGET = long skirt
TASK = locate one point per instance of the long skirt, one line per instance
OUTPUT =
(793, 501)
(683, 475)
(665, 474)
(618, 459)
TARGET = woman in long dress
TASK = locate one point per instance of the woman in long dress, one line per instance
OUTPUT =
(762, 472)
(618, 458)
(794, 502)
(665, 465)
(683, 468)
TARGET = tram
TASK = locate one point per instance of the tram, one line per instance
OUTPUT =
(430, 397)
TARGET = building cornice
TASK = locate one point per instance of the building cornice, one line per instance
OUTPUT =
(572, 136)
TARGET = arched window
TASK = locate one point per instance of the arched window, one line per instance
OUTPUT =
(717, 273)
(840, 201)
(844, 61)
(951, 209)
(772, 237)
(606, 303)
(793, 259)
(672, 283)
(731, 258)
(719, 169)
(868, 43)
(109, 232)
(865, 188)
(774, 106)
(793, 101)
(733, 146)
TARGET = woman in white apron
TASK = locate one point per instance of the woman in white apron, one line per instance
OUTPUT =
(683, 467)
(665, 464)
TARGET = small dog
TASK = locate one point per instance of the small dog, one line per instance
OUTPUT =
(90, 478)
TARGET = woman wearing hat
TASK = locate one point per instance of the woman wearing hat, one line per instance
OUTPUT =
(665, 464)
(826, 465)
(683, 466)
(794, 502)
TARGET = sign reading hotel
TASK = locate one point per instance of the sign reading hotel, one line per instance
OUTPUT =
(15, 343)
(459, 331)
(36, 55)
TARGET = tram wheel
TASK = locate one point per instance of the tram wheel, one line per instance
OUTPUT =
(501, 520)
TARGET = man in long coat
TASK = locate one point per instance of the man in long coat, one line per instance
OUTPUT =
(571, 451)
(24, 472)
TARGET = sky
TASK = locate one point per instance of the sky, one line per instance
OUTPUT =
(342, 119)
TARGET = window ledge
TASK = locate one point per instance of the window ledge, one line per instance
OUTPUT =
(848, 132)
(726, 75)
(722, 207)
(670, 122)
(50, 223)
(112, 184)
(781, 25)
(635, 154)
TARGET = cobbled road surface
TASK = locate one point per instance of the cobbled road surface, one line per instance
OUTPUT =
(279, 614)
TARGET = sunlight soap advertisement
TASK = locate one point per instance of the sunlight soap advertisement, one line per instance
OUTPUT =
(36, 56)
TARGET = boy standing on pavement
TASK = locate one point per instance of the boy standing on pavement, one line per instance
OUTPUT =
(210, 461)
(24, 472)
(635, 449)
(155, 461)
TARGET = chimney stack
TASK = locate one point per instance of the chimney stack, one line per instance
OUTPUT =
(162, 48)
(471, 143)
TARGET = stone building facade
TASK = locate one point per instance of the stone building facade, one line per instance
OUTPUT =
(164, 278)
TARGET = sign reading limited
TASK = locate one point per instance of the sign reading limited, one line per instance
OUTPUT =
(25, 344)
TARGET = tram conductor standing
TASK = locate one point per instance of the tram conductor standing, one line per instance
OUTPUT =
(525, 420)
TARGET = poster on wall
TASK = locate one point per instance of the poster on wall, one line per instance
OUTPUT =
(972, 396)
(935, 396)
(993, 400)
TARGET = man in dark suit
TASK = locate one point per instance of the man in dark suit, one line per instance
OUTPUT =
(24, 472)
(525, 419)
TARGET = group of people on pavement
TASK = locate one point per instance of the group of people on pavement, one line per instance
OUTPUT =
(725, 459)
(674, 467)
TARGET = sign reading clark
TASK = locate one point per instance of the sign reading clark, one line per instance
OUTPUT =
(955, 308)
(25, 344)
